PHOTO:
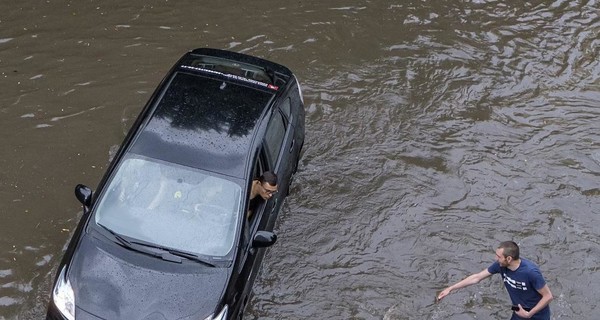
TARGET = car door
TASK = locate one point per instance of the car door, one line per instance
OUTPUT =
(297, 119)
(279, 144)
(250, 259)
(274, 155)
(290, 110)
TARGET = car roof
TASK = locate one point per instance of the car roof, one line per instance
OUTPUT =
(206, 113)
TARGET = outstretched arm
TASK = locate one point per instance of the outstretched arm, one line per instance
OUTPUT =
(472, 279)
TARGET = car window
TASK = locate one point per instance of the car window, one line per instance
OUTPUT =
(231, 67)
(287, 108)
(171, 205)
(275, 135)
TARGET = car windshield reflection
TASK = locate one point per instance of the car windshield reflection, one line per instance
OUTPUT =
(172, 206)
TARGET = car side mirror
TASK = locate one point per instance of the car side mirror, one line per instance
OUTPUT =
(84, 195)
(264, 239)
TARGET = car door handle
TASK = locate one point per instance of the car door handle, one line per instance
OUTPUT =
(292, 145)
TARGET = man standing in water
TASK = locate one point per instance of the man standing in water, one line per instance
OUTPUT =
(523, 280)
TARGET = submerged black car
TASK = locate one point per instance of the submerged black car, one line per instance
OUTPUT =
(167, 234)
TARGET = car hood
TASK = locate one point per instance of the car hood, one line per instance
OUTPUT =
(110, 287)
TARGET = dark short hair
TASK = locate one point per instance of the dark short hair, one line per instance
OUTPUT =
(268, 177)
(511, 249)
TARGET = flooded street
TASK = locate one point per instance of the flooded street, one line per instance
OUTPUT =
(435, 130)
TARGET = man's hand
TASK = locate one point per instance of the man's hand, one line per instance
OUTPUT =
(522, 313)
(444, 293)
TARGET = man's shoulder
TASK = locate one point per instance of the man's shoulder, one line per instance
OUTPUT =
(530, 268)
(494, 268)
(533, 273)
(528, 264)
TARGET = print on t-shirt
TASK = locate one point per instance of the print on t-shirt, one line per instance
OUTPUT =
(515, 284)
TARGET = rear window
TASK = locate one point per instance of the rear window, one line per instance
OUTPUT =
(236, 68)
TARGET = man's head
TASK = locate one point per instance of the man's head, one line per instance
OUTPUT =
(268, 185)
(507, 252)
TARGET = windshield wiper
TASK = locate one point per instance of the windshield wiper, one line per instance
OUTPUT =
(117, 236)
(162, 252)
(142, 248)
(178, 253)
(190, 256)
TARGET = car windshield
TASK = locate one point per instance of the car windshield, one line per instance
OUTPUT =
(172, 206)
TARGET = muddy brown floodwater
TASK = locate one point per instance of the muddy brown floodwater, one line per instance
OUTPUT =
(435, 129)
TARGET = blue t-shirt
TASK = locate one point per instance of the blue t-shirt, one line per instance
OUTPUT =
(523, 285)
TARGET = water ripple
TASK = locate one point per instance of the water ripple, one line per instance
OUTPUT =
(434, 130)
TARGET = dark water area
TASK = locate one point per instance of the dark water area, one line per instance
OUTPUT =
(435, 130)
